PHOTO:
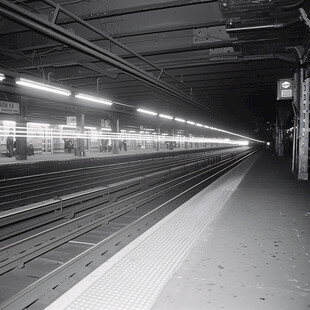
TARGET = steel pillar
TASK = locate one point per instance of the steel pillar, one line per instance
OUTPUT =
(295, 105)
(303, 130)
(158, 141)
(21, 132)
(80, 119)
(115, 129)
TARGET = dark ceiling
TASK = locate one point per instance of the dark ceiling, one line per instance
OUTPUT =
(217, 61)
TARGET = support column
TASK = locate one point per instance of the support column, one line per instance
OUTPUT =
(304, 130)
(158, 139)
(294, 151)
(115, 129)
(171, 146)
(21, 131)
(80, 122)
(295, 106)
(279, 146)
(186, 136)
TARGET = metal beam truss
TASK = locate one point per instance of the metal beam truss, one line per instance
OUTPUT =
(50, 29)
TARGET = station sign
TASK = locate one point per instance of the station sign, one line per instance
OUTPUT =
(9, 107)
(285, 89)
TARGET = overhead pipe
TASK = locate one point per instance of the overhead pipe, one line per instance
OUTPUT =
(264, 27)
(60, 34)
(292, 6)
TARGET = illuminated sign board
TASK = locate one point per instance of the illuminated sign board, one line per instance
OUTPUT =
(285, 89)
(9, 107)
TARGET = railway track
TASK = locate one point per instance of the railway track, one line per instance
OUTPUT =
(40, 261)
(21, 191)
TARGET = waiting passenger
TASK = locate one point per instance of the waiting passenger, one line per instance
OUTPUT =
(69, 145)
(10, 144)
(30, 149)
(125, 145)
(109, 145)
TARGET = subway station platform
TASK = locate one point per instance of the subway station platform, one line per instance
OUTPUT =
(241, 243)
(43, 163)
(4, 160)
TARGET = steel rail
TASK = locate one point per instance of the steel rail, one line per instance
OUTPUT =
(110, 161)
(49, 211)
(63, 175)
(75, 269)
(68, 206)
(24, 250)
(66, 183)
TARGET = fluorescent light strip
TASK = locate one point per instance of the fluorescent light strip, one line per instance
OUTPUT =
(190, 122)
(197, 124)
(45, 87)
(93, 99)
(165, 116)
(38, 124)
(147, 112)
(67, 126)
(234, 134)
(2, 77)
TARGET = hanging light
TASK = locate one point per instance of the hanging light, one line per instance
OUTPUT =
(93, 99)
(165, 116)
(190, 122)
(147, 112)
(44, 87)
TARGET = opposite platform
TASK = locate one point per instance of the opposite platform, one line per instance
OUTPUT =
(254, 255)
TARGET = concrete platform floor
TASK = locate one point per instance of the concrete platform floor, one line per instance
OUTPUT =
(256, 254)
(243, 243)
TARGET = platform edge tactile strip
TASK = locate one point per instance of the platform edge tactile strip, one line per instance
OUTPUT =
(134, 277)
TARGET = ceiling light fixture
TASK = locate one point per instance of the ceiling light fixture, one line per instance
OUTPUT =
(179, 120)
(190, 122)
(45, 87)
(93, 99)
(165, 116)
(2, 77)
(199, 125)
(147, 112)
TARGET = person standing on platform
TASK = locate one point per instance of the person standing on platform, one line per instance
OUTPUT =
(125, 145)
(10, 144)
(109, 145)
(69, 145)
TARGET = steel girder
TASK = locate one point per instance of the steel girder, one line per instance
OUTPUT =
(62, 35)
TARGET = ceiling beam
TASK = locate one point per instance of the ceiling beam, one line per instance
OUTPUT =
(137, 9)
